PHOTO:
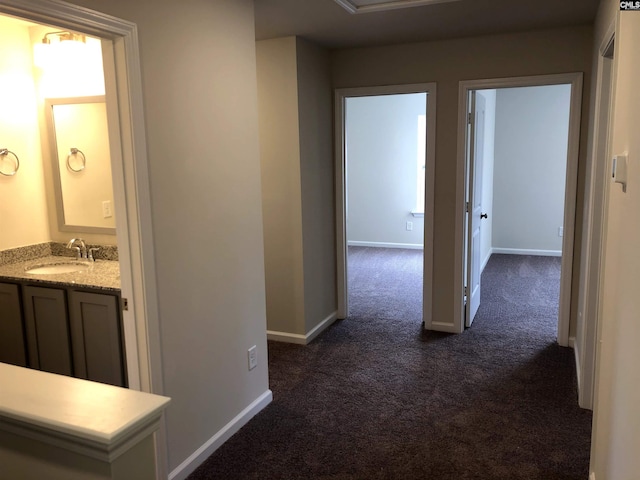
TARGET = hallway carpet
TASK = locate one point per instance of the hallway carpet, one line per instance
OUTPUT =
(375, 397)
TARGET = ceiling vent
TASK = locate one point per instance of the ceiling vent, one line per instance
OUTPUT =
(368, 6)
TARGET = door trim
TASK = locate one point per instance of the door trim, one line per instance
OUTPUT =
(131, 183)
(595, 224)
(341, 204)
(575, 80)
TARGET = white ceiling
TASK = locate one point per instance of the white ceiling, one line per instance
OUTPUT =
(327, 23)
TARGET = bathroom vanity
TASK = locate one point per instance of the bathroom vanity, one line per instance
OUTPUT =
(60, 321)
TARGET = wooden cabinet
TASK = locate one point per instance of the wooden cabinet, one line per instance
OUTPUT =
(96, 338)
(12, 339)
(47, 325)
(66, 331)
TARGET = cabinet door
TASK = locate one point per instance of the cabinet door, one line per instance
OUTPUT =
(12, 340)
(47, 328)
(96, 337)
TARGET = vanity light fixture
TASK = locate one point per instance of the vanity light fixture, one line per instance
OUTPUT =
(46, 52)
(370, 6)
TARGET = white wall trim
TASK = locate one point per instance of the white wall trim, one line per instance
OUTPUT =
(322, 326)
(340, 171)
(303, 339)
(576, 353)
(527, 251)
(566, 283)
(486, 259)
(194, 460)
(286, 337)
(412, 246)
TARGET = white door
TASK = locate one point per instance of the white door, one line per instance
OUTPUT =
(474, 205)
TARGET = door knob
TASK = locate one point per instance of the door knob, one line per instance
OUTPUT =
(484, 215)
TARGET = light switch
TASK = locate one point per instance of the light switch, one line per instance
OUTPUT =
(619, 170)
(106, 209)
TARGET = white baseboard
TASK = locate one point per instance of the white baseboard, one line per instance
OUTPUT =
(187, 467)
(592, 476)
(525, 251)
(413, 246)
(286, 337)
(303, 339)
(486, 260)
(576, 354)
(322, 326)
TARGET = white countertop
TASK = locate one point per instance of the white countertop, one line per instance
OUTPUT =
(77, 412)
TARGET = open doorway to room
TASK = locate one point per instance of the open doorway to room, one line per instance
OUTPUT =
(56, 148)
(385, 162)
(521, 160)
(385, 207)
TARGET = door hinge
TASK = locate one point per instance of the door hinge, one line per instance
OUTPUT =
(469, 118)
(125, 304)
(465, 291)
(466, 206)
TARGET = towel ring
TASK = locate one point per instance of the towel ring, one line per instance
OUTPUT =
(75, 152)
(3, 153)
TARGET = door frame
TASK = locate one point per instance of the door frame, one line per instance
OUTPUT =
(341, 188)
(573, 147)
(594, 230)
(132, 199)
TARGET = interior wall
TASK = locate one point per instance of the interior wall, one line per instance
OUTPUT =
(55, 82)
(23, 207)
(281, 190)
(616, 436)
(448, 62)
(486, 238)
(200, 101)
(532, 125)
(316, 182)
(382, 175)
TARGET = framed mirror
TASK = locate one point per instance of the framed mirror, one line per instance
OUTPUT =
(81, 164)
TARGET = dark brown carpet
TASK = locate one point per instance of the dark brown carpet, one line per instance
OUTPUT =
(376, 398)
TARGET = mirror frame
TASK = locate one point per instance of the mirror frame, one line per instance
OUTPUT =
(55, 163)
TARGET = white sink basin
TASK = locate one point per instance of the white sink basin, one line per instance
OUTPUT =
(53, 268)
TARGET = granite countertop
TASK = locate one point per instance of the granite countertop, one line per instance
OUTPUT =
(101, 274)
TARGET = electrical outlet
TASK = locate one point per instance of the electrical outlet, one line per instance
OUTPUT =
(561, 231)
(106, 209)
(409, 226)
(253, 357)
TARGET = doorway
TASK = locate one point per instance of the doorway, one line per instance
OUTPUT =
(355, 100)
(521, 227)
(129, 171)
(385, 163)
(132, 205)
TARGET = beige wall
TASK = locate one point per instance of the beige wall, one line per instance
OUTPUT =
(295, 117)
(281, 190)
(616, 440)
(23, 207)
(199, 88)
(447, 63)
(317, 180)
(54, 82)
(27, 201)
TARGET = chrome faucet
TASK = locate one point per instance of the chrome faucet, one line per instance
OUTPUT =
(81, 251)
